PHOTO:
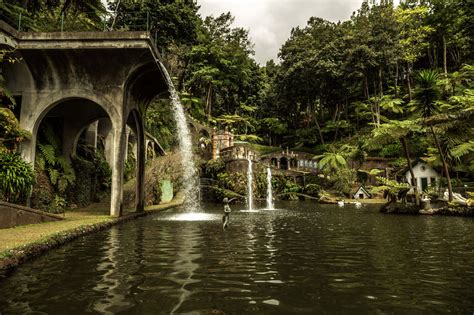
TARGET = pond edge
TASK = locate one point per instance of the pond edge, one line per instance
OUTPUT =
(14, 257)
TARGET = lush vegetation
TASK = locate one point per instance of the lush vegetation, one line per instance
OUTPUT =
(392, 81)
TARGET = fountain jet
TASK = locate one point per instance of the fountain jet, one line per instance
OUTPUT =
(249, 185)
(269, 190)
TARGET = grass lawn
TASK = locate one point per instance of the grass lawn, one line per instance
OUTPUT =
(96, 213)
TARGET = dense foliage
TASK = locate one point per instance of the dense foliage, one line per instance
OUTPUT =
(393, 80)
(16, 177)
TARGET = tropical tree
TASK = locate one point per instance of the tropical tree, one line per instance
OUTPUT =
(425, 103)
(396, 130)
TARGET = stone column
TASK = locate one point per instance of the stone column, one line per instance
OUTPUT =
(141, 157)
(214, 145)
(118, 159)
(27, 122)
(91, 134)
(105, 130)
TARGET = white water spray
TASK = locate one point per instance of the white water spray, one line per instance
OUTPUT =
(269, 190)
(249, 185)
(190, 180)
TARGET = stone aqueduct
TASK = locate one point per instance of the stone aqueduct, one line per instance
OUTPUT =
(86, 77)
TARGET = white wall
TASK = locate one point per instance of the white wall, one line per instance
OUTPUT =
(418, 171)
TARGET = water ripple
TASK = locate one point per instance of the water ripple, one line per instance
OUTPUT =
(306, 259)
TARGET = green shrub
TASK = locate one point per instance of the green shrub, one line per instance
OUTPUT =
(391, 150)
(16, 177)
(49, 158)
(57, 205)
(312, 190)
(213, 167)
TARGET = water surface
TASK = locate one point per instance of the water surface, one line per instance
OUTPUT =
(309, 259)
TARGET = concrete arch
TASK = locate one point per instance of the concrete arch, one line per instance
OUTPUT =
(74, 121)
(44, 106)
(144, 84)
(80, 132)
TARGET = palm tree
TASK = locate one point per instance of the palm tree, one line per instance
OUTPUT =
(425, 102)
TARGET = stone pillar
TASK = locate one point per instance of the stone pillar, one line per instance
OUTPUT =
(105, 130)
(91, 134)
(118, 159)
(27, 122)
(214, 145)
(141, 157)
(127, 139)
(231, 139)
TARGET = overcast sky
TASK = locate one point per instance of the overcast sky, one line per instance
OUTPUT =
(270, 21)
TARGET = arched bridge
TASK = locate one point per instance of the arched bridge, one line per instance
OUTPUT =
(106, 78)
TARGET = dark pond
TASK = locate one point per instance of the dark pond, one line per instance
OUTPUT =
(309, 258)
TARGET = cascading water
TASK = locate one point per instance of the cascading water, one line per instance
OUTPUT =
(269, 189)
(190, 180)
(249, 185)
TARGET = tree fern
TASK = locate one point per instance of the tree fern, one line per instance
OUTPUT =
(463, 149)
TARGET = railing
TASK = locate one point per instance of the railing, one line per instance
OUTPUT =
(23, 21)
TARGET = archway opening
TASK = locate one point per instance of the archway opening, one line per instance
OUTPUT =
(65, 178)
(283, 163)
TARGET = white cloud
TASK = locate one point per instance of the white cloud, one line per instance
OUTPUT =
(270, 22)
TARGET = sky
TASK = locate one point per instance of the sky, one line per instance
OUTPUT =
(269, 22)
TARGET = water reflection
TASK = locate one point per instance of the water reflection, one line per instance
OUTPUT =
(307, 259)
(185, 264)
(190, 216)
(110, 281)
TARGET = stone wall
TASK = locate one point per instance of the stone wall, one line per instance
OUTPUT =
(12, 215)
(241, 166)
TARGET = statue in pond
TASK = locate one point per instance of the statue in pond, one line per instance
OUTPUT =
(227, 210)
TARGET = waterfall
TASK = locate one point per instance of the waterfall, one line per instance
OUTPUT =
(249, 185)
(190, 177)
(269, 189)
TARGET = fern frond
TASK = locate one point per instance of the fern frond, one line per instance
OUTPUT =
(48, 153)
(463, 149)
(53, 175)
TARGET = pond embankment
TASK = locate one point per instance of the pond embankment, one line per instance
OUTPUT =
(21, 243)
(447, 209)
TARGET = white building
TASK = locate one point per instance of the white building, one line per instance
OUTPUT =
(362, 193)
(425, 176)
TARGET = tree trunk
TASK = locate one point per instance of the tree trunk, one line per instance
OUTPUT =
(319, 128)
(410, 167)
(337, 126)
(366, 85)
(376, 105)
(208, 101)
(380, 82)
(430, 57)
(408, 82)
(445, 61)
(183, 74)
(445, 165)
(396, 80)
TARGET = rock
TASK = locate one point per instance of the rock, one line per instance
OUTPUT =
(327, 200)
(427, 211)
